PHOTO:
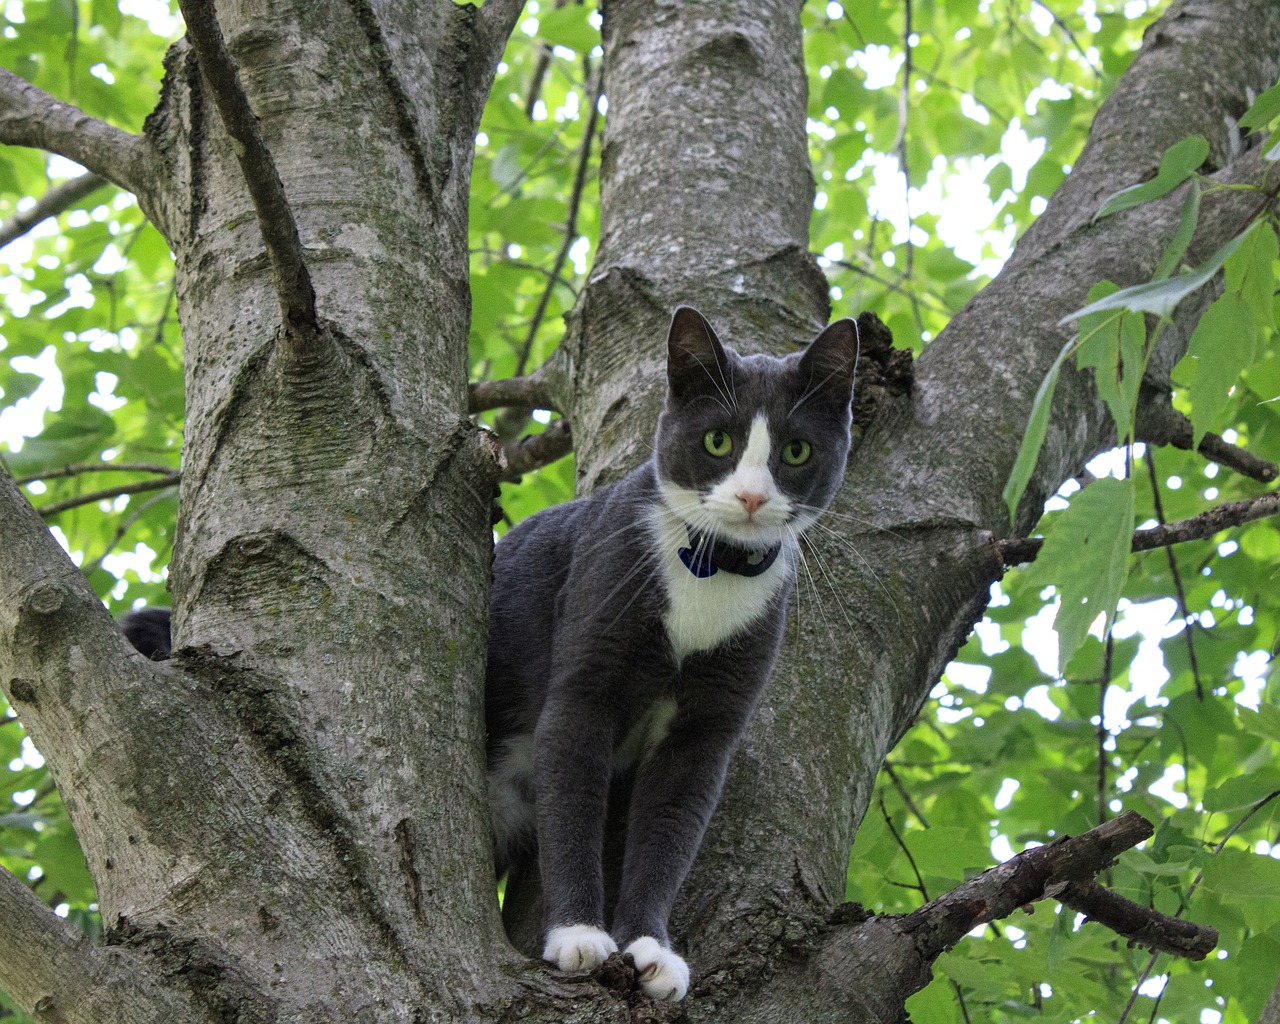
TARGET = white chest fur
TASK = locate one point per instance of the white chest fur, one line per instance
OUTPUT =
(703, 613)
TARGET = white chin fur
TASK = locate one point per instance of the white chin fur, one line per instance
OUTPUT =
(663, 974)
(578, 947)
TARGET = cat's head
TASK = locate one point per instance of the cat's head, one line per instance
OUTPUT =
(752, 448)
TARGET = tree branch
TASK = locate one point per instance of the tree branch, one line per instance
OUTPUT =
(532, 392)
(52, 971)
(1199, 527)
(44, 600)
(52, 203)
(1141, 925)
(1159, 423)
(29, 116)
(275, 217)
(901, 949)
(110, 492)
(76, 468)
(1035, 874)
(536, 450)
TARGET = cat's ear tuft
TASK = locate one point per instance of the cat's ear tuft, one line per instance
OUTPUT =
(695, 358)
(831, 360)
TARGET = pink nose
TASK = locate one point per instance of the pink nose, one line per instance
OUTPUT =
(751, 501)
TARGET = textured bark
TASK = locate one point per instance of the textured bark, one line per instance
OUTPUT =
(1271, 1012)
(287, 821)
(301, 788)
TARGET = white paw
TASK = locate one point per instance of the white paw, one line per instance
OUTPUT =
(578, 947)
(663, 974)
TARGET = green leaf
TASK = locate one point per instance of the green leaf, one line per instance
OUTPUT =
(1264, 722)
(1250, 273)
(569, 26)
(1221, 346)
(1181, 240)
(19, 385)
(1243, 791)
(1265, 109)
(1179, 163)
(1113, 345)
(1086, 556)
(73, 436)
(1033, 440)
(1161, 298)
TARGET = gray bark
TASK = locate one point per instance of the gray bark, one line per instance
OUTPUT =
(286, 822)
(1271, 1012)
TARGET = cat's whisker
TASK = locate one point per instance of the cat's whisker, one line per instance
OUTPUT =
(822, 612)
(826, 575)
(649, 560)
(847, 546)
(849, 517)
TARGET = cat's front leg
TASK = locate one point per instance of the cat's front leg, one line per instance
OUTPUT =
(677, 786)
(675, 792)
(578, 947)
(573, 760)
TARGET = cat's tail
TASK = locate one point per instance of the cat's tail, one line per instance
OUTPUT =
(148, 630)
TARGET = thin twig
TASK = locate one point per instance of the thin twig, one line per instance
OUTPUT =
(125, 526)
(895, 286)
(539, 73)
(275, 217)
(1015, 551)
(55, 201)
(900, 143)
(902, 792)
(76, 468)
(1066, 31)
(919, 886)
(1188, 623)
(1104, 683)
(595, 84)
(110, 492)
(501, 257)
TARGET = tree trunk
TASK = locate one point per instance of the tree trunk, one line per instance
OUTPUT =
(287, 821)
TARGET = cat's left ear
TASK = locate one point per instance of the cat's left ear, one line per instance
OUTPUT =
(829, 363)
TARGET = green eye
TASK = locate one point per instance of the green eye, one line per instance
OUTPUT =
(796, 453)
(718, 442)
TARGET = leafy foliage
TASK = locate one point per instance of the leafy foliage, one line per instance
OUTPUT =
(1173, 711)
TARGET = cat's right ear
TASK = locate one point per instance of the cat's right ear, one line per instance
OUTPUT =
(696, 360)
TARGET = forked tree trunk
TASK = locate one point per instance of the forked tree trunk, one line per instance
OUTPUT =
(287, 821)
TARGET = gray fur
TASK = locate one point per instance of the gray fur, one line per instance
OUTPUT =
(590, 653)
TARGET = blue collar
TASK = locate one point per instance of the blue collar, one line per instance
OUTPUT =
(706, 555)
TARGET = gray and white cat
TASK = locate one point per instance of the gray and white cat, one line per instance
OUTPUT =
(632, 632)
